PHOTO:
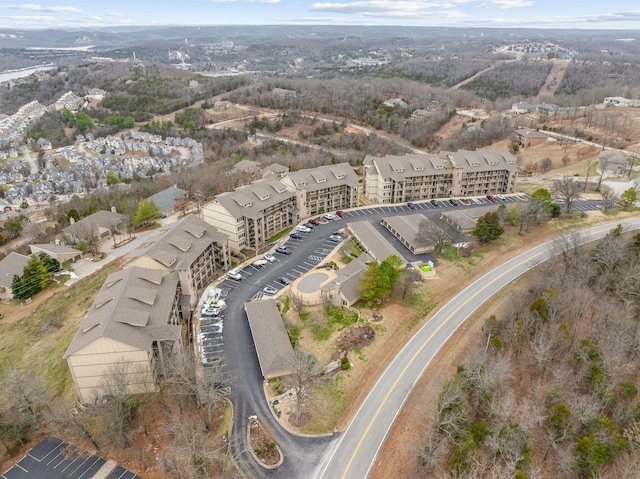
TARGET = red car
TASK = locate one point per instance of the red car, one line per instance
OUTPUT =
(314, 222)
(491, 197)
(340, 213)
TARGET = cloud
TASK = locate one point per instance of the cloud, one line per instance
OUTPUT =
(632, 16)
(40, 8)
(395, 9)
(223, 1)
(29, 18)
(115, 14)
(507, 4)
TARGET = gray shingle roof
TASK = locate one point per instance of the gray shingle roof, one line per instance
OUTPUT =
(133, 306)
(184, 241)
(166, 199)
(348, 278)
(417, 165)
(324, 177)
(275, 353)
(102, 218)
(55, 248)
(251, 199)
(408, 227)
(11, 265)
(377, 245)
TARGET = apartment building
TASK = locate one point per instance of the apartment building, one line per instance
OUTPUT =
(324, 189)
(252, 214)
(194, 249)
(413, 177)
(129, 335)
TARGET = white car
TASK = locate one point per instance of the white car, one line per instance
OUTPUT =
(335, 238)
(270, 290)
(303, 229)
(329, 217)
(234, 275)
(269, 257)
(259, 263)
(210, 312)
(501, 197)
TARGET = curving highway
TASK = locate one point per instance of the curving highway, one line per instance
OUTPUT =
(353, 454)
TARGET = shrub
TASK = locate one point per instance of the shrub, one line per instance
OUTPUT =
(257, 451)
(345, 363)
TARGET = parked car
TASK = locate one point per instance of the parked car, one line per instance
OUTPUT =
(269, 257)
(338, 233)
(308, 225)
(314, 222)
(491, 197)
(259, 263)
(303, 229)
(270, 290)
(295, 236)
(435, 203)
(411, 206)
(329, 217)
(234, 275)
(210, 312)
(283, 280)
(340, 213)
(282, 250)
(501, 197)
(335, 238)
(453, 202)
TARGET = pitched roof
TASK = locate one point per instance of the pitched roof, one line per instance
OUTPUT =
(377, 245)
(251, 200)
(166, 199)
(527, 133)
(55, 248)
(184, 241)
(133, 307)
(11, 265)
(323, 177)
(275, 353)
(102, 218)
(418, 165)
(348, 278)
(408, 227)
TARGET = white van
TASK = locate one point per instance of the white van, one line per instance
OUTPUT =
(302, 229)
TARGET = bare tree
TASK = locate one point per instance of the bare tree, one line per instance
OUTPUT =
(545, 164)
(609, 199)
(568, 190)
(432, 233)
(306, 373)
(603, 166)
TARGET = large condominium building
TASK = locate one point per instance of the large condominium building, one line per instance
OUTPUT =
(323, 189)
(194, 249)
(252, 214)
(396, 179)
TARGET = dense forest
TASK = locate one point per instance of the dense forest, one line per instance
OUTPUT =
(554, 391)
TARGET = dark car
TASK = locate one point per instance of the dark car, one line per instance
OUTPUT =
(309, 225)
(282, 250)
(411, 206)
(453, 202)
(340, 213)
(283, 280)
(295, 236)
(435, 203)
(314, 222)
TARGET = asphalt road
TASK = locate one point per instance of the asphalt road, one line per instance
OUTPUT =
(304, 455)
(353, 455)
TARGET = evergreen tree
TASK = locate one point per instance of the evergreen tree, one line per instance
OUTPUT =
(488, 228)
(148, 211)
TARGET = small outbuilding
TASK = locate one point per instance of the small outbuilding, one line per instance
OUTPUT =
(275, 353)
(59, 252)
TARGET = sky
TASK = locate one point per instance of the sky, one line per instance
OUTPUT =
(593, 14)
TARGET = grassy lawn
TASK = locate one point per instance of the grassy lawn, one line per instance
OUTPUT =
(322, 325)
(328, 404)
(279, 235)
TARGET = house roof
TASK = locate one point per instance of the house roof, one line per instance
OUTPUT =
(11, 265)
(527, 133)
(408, 227)
(417, 165)
(348, 278)
(166, 199)
(247, 166)
(376, 244)
(133, 307)
(616, 157)
(323, 177)
(251, 200)
(102, 218)
(55, 249)
(275, 353)
(183, 242)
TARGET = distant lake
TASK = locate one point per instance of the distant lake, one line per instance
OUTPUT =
(23, 72)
